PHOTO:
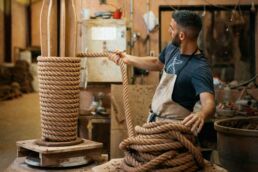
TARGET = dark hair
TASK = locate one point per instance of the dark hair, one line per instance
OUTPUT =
(190, 21)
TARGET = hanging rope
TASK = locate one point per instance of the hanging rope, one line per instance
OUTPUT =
(48, 27)
(129, 122)
(157, 146)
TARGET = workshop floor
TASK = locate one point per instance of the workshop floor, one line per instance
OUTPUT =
(19, 120)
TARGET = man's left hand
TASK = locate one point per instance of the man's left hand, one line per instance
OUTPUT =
(195, 121)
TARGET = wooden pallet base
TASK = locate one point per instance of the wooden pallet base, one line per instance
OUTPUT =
(19, 165)
(66, 156)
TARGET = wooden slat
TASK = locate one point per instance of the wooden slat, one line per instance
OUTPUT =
(60, 156)
(30, 145)
(53, 28)
(43, 27)
(71, 29)
(19, 166)
(62, 28)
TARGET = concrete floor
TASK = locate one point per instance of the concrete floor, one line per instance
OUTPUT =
(19, 120)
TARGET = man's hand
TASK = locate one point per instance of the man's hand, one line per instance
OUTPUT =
(116, 56)
(195, 121)
(147, 62)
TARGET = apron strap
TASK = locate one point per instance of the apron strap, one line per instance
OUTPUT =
(152, 115)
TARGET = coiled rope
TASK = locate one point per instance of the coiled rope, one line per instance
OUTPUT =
(59, 79)
(157, 146)
(161, 146)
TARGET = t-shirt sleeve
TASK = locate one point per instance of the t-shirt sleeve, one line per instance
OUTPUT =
(162, 55)
(202, 80)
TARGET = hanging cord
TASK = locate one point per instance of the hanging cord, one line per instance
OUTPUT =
(48, 27)
(129, 122)
(157, 146)
(75, 28)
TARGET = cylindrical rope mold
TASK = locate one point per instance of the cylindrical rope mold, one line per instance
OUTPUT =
(59, 79)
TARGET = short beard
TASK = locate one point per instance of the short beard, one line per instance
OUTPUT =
(176, 41)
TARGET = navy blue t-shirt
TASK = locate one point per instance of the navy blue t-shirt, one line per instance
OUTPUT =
(194, 78)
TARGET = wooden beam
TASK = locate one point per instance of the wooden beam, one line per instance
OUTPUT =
(71, 29)
(53, 29)
(256, 43)
(7, 30)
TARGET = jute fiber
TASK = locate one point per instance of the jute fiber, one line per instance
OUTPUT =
(59, 79)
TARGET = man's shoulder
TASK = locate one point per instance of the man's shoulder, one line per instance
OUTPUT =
(200, 61)
(171, 47)
(199, 65)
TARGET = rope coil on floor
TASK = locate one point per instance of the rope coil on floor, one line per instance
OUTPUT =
(59, 97)
(157, 146)
(174, 150)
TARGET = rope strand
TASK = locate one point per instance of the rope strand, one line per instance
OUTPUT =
(157, 146)
(59, 98)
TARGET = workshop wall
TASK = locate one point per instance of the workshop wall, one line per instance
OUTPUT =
(19, 29)
(144, 47)
(1, 31)
(138, 24)
(35, 23)
(141, 8)
(256, 43)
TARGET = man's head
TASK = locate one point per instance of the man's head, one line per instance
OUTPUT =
(184, 25)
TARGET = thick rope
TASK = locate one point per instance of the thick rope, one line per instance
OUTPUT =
(175, 151)
(59, 79)
(157, 146)
(129, 122)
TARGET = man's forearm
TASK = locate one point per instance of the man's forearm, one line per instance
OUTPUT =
(148, 63)
(207, 109)
(196, 120)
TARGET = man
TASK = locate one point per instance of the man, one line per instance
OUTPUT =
(186, 77)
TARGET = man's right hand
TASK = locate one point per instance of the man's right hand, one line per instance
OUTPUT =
(117, 55)
(147, 63)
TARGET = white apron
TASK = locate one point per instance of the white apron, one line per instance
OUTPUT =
(162, 106)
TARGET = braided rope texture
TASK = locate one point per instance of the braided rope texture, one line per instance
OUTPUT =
(129, 122)
(157, 146)
(59, 79)
(161, 146)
